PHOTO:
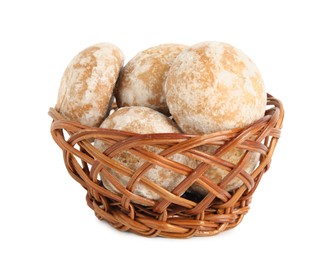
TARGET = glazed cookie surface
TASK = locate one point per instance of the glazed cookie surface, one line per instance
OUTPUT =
(142, 79)
(213, 86)
(87, 85)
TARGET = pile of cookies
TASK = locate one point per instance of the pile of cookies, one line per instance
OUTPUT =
(170, 88)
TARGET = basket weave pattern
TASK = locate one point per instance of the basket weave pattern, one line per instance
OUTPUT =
(178, 213)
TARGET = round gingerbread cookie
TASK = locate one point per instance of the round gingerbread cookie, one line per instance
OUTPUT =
(142, 120)
(142, 79)
(213, 86)
(87, 85)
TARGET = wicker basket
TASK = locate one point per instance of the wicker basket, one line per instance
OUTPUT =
(178, 213)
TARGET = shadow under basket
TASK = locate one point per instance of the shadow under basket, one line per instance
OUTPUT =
(178, 213)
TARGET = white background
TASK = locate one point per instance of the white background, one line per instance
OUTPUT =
(44, 214)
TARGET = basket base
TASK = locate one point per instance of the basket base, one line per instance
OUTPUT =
(175, 222)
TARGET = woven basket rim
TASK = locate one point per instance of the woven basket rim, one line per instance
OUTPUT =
(55, 115)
